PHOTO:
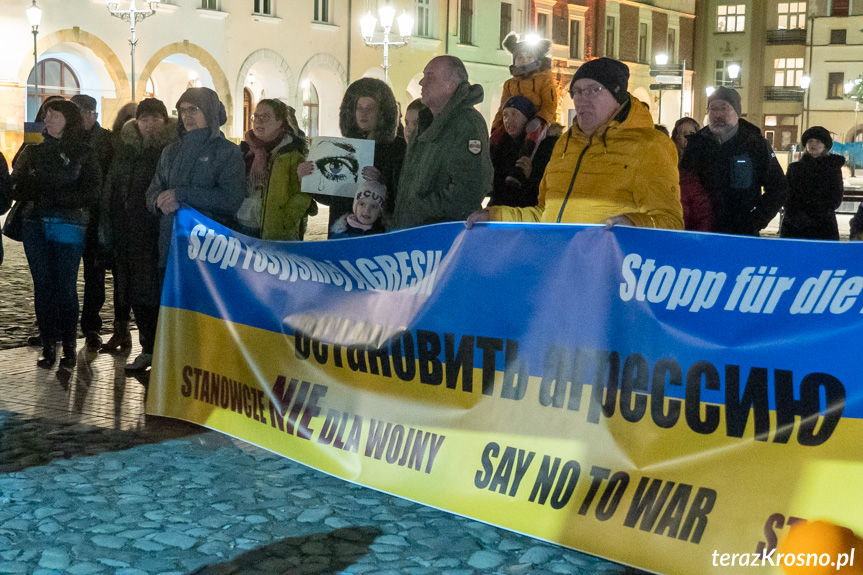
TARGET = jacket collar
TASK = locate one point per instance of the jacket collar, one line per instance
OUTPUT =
(465, 95)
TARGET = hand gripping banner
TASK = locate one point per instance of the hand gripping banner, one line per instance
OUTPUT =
(668, 400)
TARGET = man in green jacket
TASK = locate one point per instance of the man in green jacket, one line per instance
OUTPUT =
(447, 169)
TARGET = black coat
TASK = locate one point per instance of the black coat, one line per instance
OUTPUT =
(734, 173)
(129, 228)
(503, 158)
(815, 191)
(61, 177)
(5, 194)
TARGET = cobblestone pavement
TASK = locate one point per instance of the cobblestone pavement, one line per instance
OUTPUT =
(90, 485)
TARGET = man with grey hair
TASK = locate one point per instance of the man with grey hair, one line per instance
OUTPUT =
(447, 169)
(733, 163)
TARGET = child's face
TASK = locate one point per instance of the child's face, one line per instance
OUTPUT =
(524, 59)
(368, 211)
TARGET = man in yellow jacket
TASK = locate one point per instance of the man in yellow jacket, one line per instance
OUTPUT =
(611, 167)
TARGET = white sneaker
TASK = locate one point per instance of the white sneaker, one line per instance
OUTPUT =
(142, 362)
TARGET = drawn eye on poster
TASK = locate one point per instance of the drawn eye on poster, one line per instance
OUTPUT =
(338, 165)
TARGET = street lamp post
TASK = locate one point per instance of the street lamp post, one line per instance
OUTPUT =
(661, 61)
(387, 13)
(854, 91)
(34, 16)
(132, 16)
(733, 71)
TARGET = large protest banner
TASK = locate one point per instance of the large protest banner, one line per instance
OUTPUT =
(662, 399)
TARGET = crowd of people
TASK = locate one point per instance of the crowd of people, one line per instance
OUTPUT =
(109, 198)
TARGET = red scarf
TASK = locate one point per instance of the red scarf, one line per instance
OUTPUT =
(261, 151)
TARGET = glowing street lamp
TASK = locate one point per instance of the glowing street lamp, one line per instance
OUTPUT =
(387, 13)
(34, 16)
(132, 16)
(733, 72)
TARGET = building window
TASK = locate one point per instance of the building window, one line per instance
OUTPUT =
(838, 36)
(574, 39)
(465, 29)
(210, 4)
(423, 18)
(671, 46)
(310, 110)
(542, 24)
(731, 18)
(264, 7)
(792, 15)
(55, 78)
(505, 20)
(322, 11)
(248, 106)
(610, 43)
(722, 77)
(840, 7)
(787, 72)
(642, 42)
(835, 85)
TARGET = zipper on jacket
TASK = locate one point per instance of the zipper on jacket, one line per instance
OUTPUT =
(574, 173)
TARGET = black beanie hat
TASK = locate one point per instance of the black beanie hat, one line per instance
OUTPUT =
(819, 133)
(523, 105)
(612, 74)
(153, 107)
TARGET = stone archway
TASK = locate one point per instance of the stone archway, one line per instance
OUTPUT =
(273, 57)
(102, 51)
(330, 78)
(220, 80)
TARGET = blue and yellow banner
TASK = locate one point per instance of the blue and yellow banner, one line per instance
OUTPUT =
(668, 400)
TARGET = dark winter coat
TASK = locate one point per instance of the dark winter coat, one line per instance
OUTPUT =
(60, 177)
(815, 192)
(504, 155)
(129, 228)
(448, 167)
(101, 140)
(5, 194)
(389, 148)
(734, 173)
(204, 169)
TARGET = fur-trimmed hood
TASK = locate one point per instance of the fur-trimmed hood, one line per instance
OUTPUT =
(385, 131)
(131, 136)
(539, 50)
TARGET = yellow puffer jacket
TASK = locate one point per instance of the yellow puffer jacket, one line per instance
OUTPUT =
(625, 168)
(539, 88)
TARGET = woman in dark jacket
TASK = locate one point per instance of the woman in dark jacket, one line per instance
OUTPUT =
(369, 112)
(131, 230)
(58, 179)
(816, 190)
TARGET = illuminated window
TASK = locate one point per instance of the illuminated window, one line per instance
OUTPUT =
(792, 15)
(787, 72)
(731, 18)
(310, 110)
(835, 85)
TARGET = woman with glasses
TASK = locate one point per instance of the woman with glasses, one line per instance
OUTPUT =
(274, 208)
(58, 180)
(203, 169)
(611, 167)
